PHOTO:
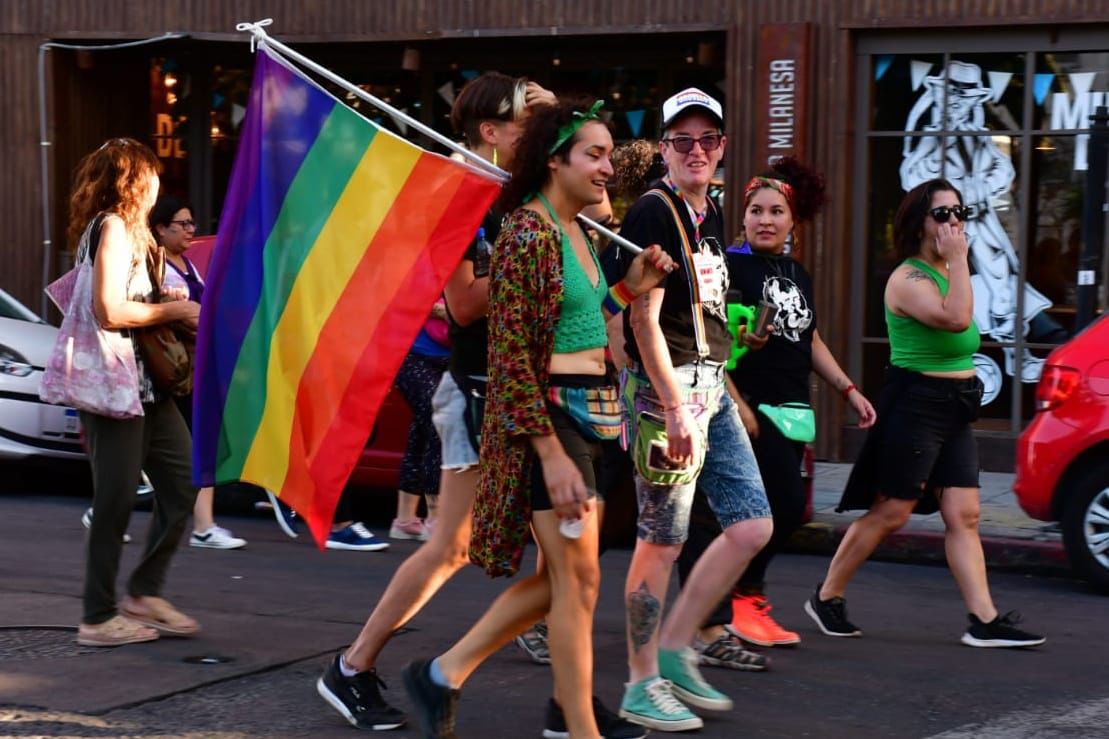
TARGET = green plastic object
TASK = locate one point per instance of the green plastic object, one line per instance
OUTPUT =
(736, 313)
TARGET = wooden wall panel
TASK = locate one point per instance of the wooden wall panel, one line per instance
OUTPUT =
(20, 190)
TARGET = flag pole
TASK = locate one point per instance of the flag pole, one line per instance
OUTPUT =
(257, 29)
(611, 235)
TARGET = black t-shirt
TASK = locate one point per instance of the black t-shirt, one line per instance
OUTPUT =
(468, 343)
(650, 221)
(779, 372)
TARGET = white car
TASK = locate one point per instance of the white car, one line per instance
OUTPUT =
(30, 428)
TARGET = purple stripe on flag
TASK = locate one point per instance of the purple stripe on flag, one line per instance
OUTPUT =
(281, 124)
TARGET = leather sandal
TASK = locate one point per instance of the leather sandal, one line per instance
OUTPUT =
(115, 632)
(157, 613)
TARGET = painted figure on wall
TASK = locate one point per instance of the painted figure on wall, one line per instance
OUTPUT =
(984, 174)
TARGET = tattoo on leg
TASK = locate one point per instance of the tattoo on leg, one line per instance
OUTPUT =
(643, 614)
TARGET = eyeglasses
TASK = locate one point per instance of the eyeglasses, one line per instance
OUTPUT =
(190, 223)
(943, 213)
(684, 144)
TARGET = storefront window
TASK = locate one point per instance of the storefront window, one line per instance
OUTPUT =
(977, 121)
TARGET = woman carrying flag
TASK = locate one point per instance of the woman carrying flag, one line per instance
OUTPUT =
(549, 406)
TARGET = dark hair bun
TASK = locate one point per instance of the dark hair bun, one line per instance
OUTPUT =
(808, 187)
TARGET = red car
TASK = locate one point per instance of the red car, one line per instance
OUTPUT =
(379, 465)
(1063, 455)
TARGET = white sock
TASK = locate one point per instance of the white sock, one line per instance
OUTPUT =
(346, 669)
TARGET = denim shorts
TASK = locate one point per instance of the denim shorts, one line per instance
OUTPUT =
(730, 476)
(448, 413)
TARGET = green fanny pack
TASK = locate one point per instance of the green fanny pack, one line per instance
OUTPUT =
(796, 421)
(650, 454)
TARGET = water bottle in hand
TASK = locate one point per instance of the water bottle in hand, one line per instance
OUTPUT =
(482, 251)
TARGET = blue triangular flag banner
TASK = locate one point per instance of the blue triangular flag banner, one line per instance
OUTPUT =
(469, 74)
(635, 121)
(882, 65)
(1041, 85)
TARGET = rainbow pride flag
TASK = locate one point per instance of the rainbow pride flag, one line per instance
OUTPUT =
(335, 240)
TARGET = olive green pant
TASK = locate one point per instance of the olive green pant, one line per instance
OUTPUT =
(119, 451)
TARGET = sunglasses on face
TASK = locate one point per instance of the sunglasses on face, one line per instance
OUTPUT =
(943, 213)
(185, 224)
(684, 144)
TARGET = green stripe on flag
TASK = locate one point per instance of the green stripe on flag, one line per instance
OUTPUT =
(316, 188)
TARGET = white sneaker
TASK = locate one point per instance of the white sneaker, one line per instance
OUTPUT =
(86, 521)
(216, 537)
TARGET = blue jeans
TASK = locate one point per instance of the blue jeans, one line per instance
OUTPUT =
(730, 476)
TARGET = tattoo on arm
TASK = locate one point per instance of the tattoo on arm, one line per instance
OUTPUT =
(643, 616)
(916, 275)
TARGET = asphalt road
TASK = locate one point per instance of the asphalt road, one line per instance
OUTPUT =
(279, 609)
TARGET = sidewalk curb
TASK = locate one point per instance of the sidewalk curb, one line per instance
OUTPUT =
(927, 547)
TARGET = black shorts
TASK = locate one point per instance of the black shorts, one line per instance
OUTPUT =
(927, 440)
(586, 454)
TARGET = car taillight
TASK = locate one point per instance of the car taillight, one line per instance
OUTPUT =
(1057, 384)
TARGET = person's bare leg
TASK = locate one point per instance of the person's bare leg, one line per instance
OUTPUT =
(862, 538)
(712, 578)
(203, 518)
(407, 505)
(423, 573)
(963, 546)
(644, 596)
(513, 612)
(566, 586)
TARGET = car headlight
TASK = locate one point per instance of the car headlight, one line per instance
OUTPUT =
(13, 363)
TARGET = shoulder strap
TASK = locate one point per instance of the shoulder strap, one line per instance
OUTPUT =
(699, 333)
(94, 235)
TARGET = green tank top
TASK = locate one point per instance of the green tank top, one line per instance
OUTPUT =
(920, 348)
(581, 324)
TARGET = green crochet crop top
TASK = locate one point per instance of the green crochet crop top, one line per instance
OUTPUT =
(581, 324)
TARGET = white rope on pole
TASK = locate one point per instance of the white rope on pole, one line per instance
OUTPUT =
(260, 36)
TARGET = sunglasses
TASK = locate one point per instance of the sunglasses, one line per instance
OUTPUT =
(684, 144)
(185, 224)
(943, 213)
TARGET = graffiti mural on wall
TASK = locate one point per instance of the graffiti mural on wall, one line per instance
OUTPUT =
(984, 174)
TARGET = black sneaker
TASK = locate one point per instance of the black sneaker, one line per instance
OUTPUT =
(434, 705)
(831, 615)
(1001, 632)
(609, 724)
(728, 651)
(358, 698)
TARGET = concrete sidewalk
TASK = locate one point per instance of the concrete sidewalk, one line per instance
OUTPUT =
(1010, 538)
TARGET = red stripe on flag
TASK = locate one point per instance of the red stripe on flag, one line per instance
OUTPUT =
(339, 395)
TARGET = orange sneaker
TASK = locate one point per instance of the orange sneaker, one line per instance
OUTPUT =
(751, 622)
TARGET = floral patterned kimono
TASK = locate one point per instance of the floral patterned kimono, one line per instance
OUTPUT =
(525, 298)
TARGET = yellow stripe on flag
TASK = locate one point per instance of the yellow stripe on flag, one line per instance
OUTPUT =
(341, 245)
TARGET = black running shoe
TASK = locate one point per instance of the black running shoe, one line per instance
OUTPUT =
(609, 724)
(358, 698)
(1001, 632)
(434, 705)
(831, 615)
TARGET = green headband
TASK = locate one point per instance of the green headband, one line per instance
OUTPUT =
(567, 130)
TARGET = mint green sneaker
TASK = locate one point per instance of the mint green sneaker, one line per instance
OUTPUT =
(679, 666)
(650, 703)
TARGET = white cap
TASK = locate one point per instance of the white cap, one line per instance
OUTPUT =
(687, 100)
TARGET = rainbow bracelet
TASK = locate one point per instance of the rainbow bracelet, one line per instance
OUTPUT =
(618, 298)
